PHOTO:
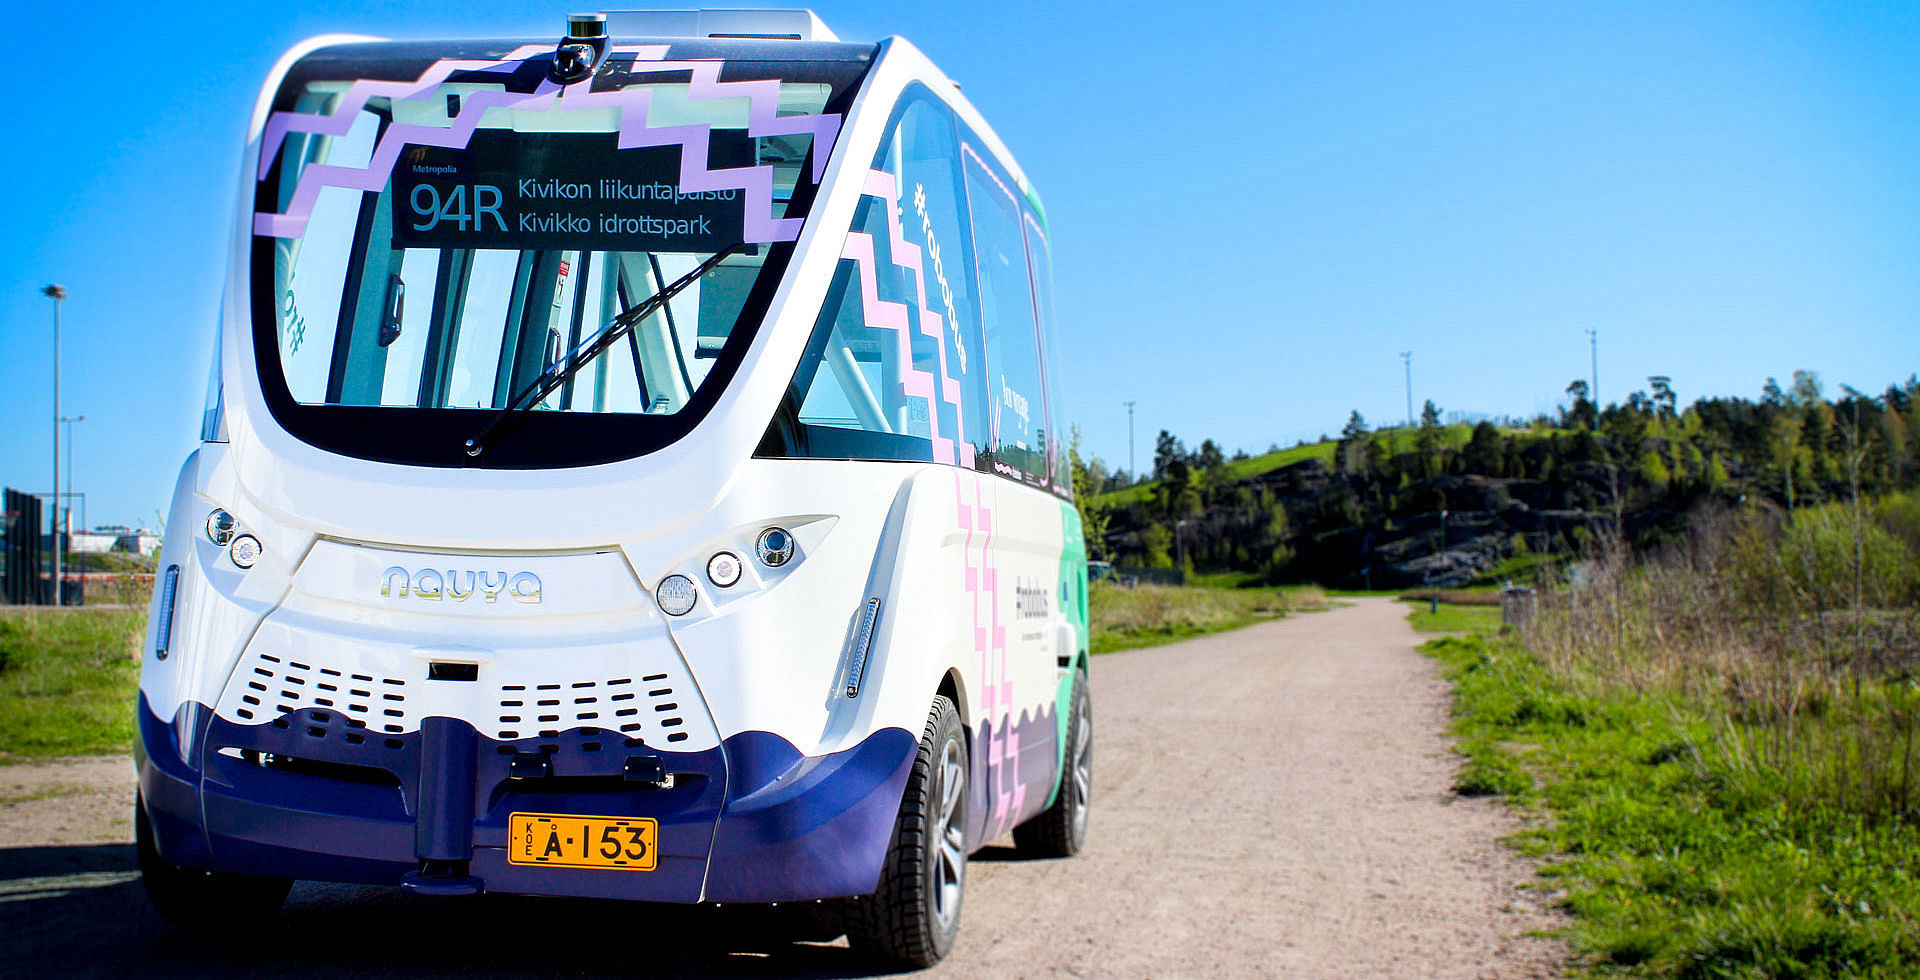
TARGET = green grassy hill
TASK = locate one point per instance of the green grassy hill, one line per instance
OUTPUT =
(1401, 440)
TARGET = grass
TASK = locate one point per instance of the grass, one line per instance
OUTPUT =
(1475, 619)
(1724, 779)
(1669, 869)
(67, 681)
(1149, 615)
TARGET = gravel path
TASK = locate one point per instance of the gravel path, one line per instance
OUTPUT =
(1271, 802)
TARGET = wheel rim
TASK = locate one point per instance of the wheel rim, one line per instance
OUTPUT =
(1082, 784)
(950, 836)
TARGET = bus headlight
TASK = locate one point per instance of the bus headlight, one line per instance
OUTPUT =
(774, 547)
(220, 525)
(676, 595)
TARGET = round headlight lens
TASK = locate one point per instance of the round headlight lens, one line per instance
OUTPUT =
(724, 569)
(775, 547)
(245, 550)
(220, 525)
(676, 595)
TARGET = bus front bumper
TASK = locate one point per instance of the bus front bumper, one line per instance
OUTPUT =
(751, 820)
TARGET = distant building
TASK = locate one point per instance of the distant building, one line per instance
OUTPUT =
(91, 542)
(113, 537)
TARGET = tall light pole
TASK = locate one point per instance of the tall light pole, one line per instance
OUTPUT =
(1132, 473)
(1593, 345)
(1407, 356)
(58, 293)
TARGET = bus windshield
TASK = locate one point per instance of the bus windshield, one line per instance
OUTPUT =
(436, 240)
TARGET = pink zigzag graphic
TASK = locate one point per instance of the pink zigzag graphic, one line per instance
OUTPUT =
(881, 314)
(1003, 785)
(881, 184)
(886, 315)
(763, 119)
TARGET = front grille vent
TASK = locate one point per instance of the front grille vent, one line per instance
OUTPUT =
(342, 702)
(618, 704)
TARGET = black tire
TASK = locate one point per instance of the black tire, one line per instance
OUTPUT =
(1061, 829)
(202, 901)
(911, 920)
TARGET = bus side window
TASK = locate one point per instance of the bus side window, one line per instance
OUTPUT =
(1040, 265)
(894, 369)
(309, 302)
(1018, 397)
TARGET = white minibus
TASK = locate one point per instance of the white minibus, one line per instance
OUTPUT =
(631, 469)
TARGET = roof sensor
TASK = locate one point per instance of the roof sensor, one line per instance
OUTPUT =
(579, 53)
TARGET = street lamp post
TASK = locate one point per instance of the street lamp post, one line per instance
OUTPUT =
(58, 293)
(1406, 356)
(1593, 347)
(1132, 473)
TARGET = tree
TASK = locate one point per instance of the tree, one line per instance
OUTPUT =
(1350, 456)
(1770, 393)
(1483, 452)
(1665, 402)
(1209, 457)
(1158, 542)
(1273, 549)
(1581, 414)
(1094, 516)
(1427, 439)
(1178, 494)
(1784, 448)
(1166, 451)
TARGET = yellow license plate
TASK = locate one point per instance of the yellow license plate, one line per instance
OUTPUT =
(565, 841)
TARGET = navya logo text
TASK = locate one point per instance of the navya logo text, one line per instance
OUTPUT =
(431, 583)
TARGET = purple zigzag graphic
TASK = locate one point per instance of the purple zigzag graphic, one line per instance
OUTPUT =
(694, 140)
(374, 176)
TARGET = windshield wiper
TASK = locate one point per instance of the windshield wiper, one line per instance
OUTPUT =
(559, 371)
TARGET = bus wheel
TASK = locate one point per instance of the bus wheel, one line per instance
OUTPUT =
(1061, 829)
(910, 921)
(200, 901)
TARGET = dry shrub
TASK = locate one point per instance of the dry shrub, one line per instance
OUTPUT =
(1792, 641)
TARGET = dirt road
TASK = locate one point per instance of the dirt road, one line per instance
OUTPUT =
(1269, 803)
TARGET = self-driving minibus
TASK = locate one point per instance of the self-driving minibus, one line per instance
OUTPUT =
(632, 470)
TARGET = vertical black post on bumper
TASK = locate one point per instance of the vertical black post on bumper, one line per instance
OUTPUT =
(443, 828)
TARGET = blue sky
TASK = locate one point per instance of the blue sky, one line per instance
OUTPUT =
(1255, 207)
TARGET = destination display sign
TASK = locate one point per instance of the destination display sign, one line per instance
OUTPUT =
(513, 190)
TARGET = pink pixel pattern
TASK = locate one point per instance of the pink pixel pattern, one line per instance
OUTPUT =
(1002, 764)
(882, 314)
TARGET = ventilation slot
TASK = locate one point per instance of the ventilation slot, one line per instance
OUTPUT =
(297, 686)
(576, 705)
